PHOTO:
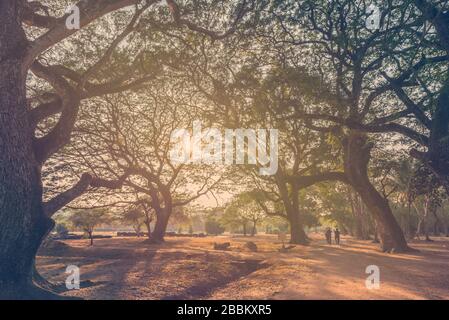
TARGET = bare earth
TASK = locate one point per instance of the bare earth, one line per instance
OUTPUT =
(188, 268)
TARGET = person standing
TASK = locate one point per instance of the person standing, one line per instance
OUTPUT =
(328, 235)
(337, 236)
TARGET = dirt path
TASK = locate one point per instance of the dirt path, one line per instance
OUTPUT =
(321, 271)
(188, 268)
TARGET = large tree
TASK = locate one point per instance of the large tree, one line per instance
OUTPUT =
(338, 60)
(420, 83)
(30, 33)
(306, 157)
(245, 87)
(132, 134)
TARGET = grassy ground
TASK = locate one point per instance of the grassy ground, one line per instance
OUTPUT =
(189, 268)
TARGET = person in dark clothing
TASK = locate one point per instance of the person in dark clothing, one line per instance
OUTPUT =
(328, 235)
(337, 236)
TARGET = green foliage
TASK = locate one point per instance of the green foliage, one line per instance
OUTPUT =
(213, 226)
(61, 230)
(87, 220)
(274, 225)
(135, 218)
(333, 208)
(242, 210)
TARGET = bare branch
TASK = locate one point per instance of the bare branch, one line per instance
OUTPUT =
(177, 16)
(86, 181)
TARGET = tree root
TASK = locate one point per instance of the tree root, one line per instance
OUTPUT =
(404, 250)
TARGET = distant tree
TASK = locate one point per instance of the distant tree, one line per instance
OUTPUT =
(310, 220)
(133, 135)
(88, 220)
(305, 156)
(180, 219)
(274, 225)
(135, 218)
(213, 226)
(242, 211)
(61, 230)
(148, 212)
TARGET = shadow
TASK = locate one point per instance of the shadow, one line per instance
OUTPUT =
(405, 271)
(204, 289)
(108, 266)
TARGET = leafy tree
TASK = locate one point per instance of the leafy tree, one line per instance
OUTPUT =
(133, 138)
(38, 117)
(243, 211)
(213, 226)
(61, 230)
(306, 157)
(135, 218)
(336, 63)
(88, 220)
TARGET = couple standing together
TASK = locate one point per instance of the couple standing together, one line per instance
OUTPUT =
(328, 235)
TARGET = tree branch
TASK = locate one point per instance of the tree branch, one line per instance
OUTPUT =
(177, 16)
(90, 10)
(306, 181)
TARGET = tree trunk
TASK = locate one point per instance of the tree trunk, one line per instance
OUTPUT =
(148, 226)
(405, 225)
(91, 237)
(438, 224)
(253, 231)
(23, 224)
(162, 217)
(357, 154)
(136, 231)
(422, 228)
(359, 229)
(244, 229)
(290, 199)
(419, 228)
(147, 223)
(444, 227)
(436, 229)
(297, 234)
(376, 237)
(437, 158)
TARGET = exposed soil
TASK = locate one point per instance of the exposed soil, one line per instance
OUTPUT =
(189, 268)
